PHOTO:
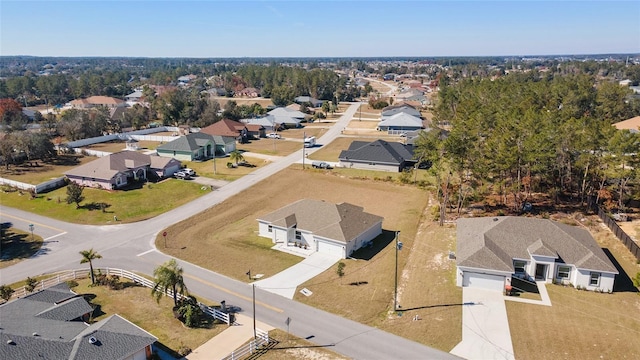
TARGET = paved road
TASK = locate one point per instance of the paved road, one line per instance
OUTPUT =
(130, 246)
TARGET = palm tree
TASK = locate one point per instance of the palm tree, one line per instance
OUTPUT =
(87, 257)
(236, 156)
(168, 276)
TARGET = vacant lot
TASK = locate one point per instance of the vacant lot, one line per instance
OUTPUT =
(224, 238)
(129, 206)
(308, 130)
(44, 171)
(116, 146)
(582, 324)
(136, 304)
(17, 245)
(291, 347)
(278, 147)
(243, 101)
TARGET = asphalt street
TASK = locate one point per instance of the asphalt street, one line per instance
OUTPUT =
(131, 247)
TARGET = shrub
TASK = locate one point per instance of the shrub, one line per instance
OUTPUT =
(72, 283)
(5, 292)
(31, 284)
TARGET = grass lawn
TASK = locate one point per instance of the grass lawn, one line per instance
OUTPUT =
(205, 168)
(116, 146)
(308, 130)
(582, 324)
(129, 206)
(135, 304)
(224, 238)
(278, 147)
(290, 347)
(243, 101)
(45, 171)
(17, 245)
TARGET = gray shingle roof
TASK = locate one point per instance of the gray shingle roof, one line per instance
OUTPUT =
(396, 109)
(493, 243)
(341, 222)
(38, 327)
(379, 151)
(401, 119)
(287, 113)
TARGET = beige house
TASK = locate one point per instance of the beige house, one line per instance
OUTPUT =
(95, 101)
(334, 229)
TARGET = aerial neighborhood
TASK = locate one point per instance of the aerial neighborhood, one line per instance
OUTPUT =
(482, 208)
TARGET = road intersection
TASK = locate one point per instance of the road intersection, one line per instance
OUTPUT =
(131, 247)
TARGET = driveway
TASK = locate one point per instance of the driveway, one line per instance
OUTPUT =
(485, 327)
(285, 282)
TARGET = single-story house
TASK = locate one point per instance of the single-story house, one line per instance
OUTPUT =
(377, 155)
(50, 324)
(134, 97)
(287, 117)
(268, 123)
(632, 124)
(492, 250)
(309, 100)
(197, 146)
(231, 128)
(95, 101)
(400, 121)
(399, 108)
(249, 92)
(119, 169)
(336, 229)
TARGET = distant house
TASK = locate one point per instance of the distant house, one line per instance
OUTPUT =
(95, 101)
(122, 168)
(377, 155)
(400, 121)
(50, 324)
(134, 97)
(242, 132)
(399, 108)
(186, 79)
(197, 146)
(632, 124)
(491, 251)
(309, 100)
(249, 92)
(287, 117)
(327, 228)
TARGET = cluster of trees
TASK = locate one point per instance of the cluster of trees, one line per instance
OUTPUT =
(524, 133)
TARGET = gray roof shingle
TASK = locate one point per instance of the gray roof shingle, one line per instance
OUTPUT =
(379, 151)
(493, 243)
(341, 222)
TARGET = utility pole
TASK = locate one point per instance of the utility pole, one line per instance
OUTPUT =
(395, 292)
(254, 311)
(304, 138)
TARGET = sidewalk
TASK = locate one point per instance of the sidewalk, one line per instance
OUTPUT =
(229, 340)
(545, 300)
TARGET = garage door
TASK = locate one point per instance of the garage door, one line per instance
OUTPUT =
(331, 249)
(485, 281)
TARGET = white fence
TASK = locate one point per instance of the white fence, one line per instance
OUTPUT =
(262, 338)
(62, 276)
(47, 185)
(93, 140)
(90, 152)
(154, 138)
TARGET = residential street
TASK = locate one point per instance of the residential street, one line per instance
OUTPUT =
(130, 247)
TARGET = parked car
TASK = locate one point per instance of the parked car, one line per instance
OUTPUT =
(273, 136)
(182, 175)
(321, 165)
(191, 172)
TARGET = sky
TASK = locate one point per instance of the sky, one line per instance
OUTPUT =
(347, 28)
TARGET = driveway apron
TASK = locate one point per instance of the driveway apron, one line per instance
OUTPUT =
(485, 327)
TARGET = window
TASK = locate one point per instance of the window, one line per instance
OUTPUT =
(564, 272)
(298, 235)
(594, 279)
(519, 265)
(270, 228)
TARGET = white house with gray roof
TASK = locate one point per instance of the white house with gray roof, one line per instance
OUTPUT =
(492, 250)
(335, 229)
(50, 324)
(377, 155)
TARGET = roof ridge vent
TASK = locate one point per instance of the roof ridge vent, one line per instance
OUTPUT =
(35, 334)
(93, 340)
(10, 342)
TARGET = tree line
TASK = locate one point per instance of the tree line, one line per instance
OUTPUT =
(527, 133)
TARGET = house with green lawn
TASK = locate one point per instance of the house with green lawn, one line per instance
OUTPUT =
(197, 146)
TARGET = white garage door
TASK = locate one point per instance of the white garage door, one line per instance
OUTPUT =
(331, 249)
(485, 281)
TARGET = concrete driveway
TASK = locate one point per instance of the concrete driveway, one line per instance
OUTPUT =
(285, 282)
(485, 327)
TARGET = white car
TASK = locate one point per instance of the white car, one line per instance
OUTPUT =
(273, 136)
(191, 172)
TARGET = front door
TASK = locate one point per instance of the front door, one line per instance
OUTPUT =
(541, 271)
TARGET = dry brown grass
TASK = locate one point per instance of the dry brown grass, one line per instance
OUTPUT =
(581, 324)
(135, 304)
(224, 238)
(278, 147)
(290, 347)
(17, 245)
(205, 168)
(243, 101)
(331, 151)
(308, 130)
(357, 124)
